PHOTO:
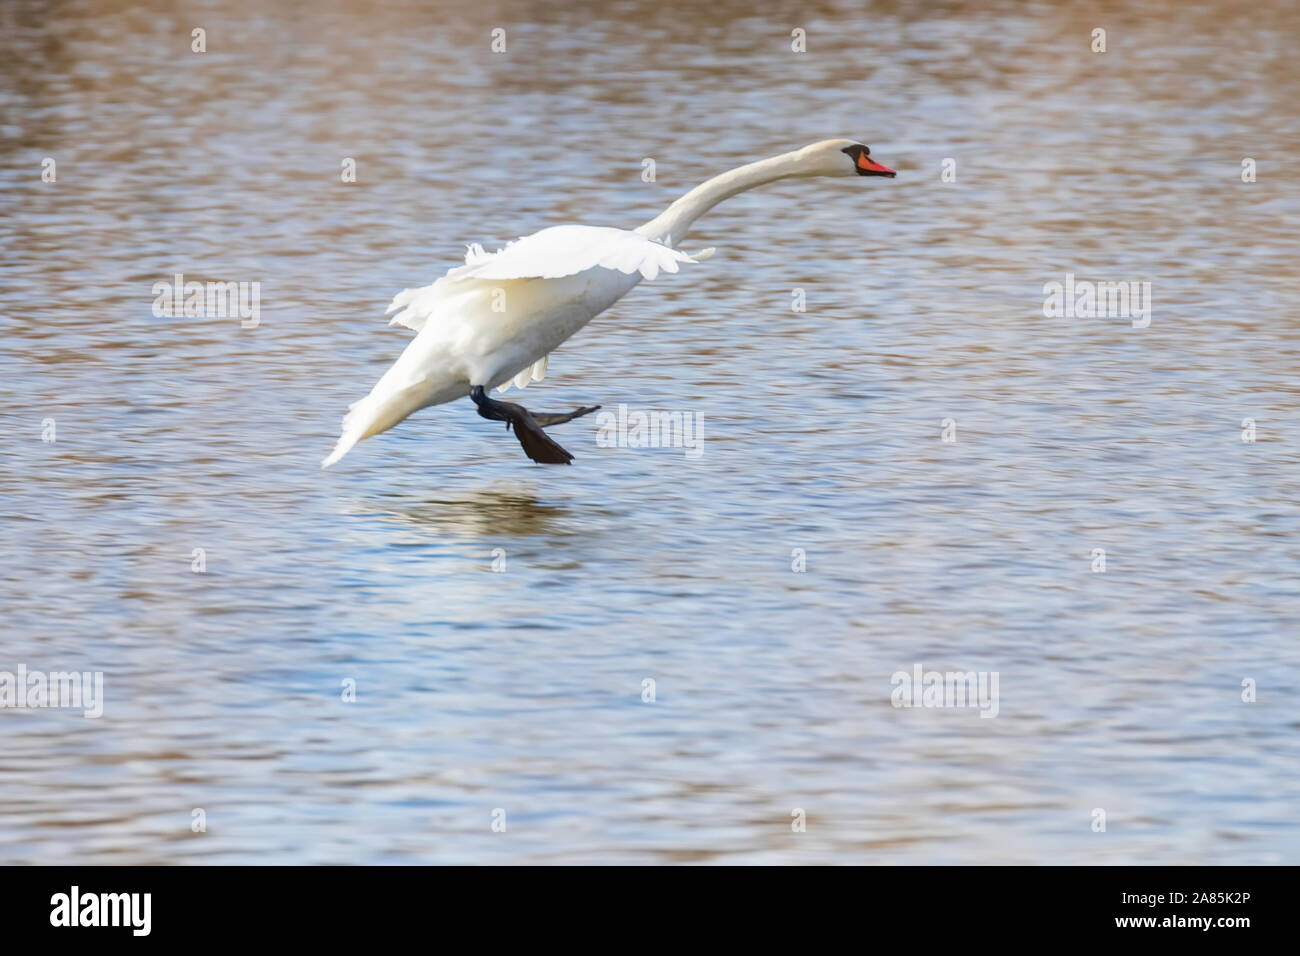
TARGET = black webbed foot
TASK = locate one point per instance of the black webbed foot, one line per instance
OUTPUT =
(537, 445)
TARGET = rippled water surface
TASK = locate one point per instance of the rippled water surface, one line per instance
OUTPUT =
(522, 690)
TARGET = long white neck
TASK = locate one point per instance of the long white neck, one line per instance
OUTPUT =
(673, 223)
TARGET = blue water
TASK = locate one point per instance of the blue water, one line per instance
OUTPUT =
(521, 689)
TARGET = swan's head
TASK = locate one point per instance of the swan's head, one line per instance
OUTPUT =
(840, 157)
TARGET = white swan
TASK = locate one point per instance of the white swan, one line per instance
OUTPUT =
(497, 318)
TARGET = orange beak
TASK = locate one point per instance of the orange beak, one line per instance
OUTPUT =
(869, 165)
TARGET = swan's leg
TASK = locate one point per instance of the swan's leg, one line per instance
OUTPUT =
(528, 427)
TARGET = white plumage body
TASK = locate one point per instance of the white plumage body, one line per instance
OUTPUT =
(496, 319)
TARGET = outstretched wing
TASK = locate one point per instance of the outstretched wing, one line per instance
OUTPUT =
(568, 250)
(549, 254)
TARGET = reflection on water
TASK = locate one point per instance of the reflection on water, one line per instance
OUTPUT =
(499, 621)
(481, 514)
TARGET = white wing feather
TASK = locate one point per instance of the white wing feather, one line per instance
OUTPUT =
(568, 250)
(548, 254)
(535, 372)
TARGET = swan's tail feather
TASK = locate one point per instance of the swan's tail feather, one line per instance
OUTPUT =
(351, 434)
(377, 412)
